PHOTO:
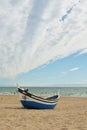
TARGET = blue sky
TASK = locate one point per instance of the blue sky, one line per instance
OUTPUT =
(43, 42)
(69, 70)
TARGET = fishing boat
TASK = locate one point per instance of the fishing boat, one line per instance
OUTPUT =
(29, 100)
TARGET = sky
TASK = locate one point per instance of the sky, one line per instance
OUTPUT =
(43, 42)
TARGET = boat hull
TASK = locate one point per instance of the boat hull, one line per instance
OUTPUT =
(36, 105)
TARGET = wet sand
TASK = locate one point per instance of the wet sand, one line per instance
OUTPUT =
(69, 114)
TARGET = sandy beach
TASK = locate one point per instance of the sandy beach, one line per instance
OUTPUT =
(70, 114)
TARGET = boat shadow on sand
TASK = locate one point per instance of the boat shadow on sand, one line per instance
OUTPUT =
(22, 108)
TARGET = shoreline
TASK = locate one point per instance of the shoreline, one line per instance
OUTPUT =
(60, 96)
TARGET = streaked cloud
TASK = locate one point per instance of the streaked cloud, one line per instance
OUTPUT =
(74, 69)
(33, 33)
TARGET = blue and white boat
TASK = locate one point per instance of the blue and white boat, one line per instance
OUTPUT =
(32, 101)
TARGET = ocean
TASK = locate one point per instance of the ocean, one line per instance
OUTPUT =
(46, 91)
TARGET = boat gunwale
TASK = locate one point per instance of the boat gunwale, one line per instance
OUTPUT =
(37, 97)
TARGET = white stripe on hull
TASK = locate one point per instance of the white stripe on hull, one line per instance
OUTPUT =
(26, 98)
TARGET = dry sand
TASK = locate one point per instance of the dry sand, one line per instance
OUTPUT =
(70, 114)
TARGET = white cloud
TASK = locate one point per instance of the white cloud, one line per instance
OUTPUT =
(33, 33)
(83, 51)
(74, 69)
(64, 73)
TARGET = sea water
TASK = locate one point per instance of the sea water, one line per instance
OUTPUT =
(62, 91)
